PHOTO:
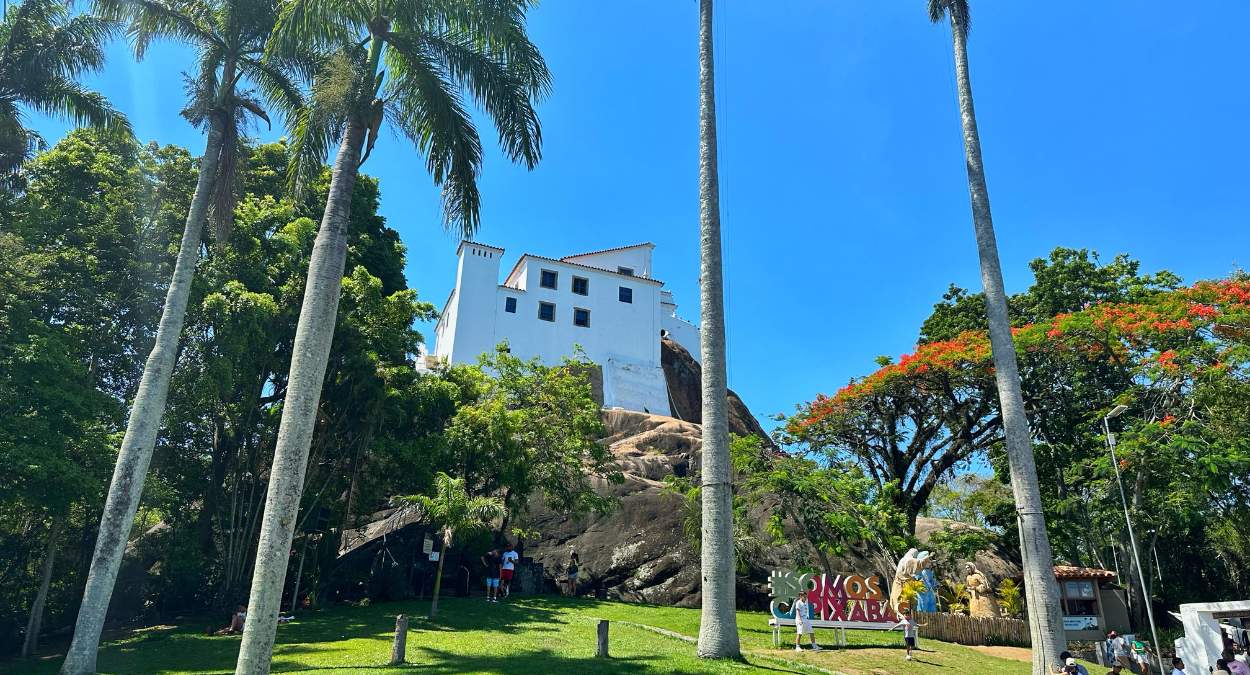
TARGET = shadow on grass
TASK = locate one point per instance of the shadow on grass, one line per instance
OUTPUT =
(431, 661)
(537, 662)
(188, 647)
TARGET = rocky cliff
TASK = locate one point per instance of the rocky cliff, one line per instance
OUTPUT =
(639, 552)
(685, 397)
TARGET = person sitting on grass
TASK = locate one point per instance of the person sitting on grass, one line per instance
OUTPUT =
(236, 621)
(803, 623)
(908, 625)
(1070, 665)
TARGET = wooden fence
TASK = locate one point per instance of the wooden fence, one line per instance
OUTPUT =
(965, 630)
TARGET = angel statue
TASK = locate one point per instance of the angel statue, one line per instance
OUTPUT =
(912, 565)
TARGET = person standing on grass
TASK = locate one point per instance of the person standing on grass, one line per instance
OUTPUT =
(1120, 650)
(574, 566)
(803, 623)
(510, 556)
(491, 561)
(908, 625)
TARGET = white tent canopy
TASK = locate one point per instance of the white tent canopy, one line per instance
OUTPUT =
(1203, 641)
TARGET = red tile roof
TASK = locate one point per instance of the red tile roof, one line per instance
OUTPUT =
(517, 266)
(609, 250)
(1074, 572)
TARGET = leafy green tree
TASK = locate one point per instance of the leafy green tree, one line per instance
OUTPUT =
(431, 52)
(837, 508)
(229, 38)
(983, 501)
(533, 429)
(74, 295)
(1067, 280)
(909, 425)
(453, 511)
(718, 626)
(1045, 620)
(44, 50)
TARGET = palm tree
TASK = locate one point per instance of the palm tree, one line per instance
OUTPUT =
(229, 36)
(43, 50)
(1041, 589)
(432, 52)
(454, 512)
(718, 625)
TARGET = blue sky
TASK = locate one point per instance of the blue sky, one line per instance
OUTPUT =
(1118, 126)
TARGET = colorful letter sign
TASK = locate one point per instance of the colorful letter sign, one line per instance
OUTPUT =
(842, 600)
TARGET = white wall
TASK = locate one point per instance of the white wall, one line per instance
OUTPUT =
(680, 330)
(623, 338)
(636, 258)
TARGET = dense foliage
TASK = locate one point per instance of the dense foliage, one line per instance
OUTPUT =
(1088, 337)
(82, 274)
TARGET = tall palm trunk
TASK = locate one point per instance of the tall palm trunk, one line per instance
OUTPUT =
(35, 624)
(144, 423)
(1040, 587)
(438, 578)
(310, 356)
(718, 625)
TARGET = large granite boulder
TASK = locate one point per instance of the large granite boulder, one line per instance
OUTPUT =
(685, 394)
(637, 552)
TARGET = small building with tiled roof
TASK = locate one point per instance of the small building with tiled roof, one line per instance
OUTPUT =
(1092, 603)
(607, 302)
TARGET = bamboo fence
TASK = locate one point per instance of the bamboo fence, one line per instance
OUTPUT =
(965, 630)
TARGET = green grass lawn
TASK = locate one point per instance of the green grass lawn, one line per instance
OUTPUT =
(542, 636)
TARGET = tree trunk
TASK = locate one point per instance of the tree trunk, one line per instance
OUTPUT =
(1040, 587)
(35, 623)
(718, 626)
(313, 335)
(438, 579)
(141, 429)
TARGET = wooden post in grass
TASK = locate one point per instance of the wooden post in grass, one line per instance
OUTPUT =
(603, 639)
(401, 640)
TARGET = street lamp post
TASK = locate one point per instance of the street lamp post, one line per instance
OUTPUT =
(1132, 538)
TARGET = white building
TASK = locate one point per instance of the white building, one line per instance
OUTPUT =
(605, 301)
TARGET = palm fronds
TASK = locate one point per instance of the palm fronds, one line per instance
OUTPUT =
(43, 52)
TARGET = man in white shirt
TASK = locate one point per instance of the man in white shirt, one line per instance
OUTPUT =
(1178, 666)
(1119, 650)
(510, 556)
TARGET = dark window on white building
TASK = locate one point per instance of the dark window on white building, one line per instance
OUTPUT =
(509, 305)
(581, 286)
(546, 311)
(627, 271)
(626, 294)
(581, 317)
(548, 279)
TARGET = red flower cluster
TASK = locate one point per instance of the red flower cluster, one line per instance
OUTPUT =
(1098, 331)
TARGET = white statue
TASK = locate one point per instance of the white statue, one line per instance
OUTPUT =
(908, 568)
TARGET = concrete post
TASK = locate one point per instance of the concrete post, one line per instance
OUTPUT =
(401, 640)
(603, 639)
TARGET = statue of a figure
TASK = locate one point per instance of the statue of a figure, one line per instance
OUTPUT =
(980, 594)
(911, 566)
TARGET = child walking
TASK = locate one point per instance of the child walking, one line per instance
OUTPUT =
(803, 623)
(908, 625)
